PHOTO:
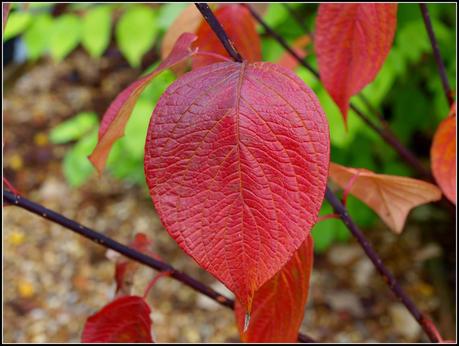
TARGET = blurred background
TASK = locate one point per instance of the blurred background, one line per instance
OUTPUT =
(62, 66)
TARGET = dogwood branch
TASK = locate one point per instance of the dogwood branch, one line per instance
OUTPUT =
(437, 54)
(390, 280)
(107, 242)
(386, 135)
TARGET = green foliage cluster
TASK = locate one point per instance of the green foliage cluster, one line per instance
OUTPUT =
(407, 91)
(135, 31)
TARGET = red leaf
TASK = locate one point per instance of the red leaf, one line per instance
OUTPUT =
(278, 306)
(390, 196)
(117, 115)
(126, 319)
(240, 28)
(236, 160)
(352, 41)
(443, 156)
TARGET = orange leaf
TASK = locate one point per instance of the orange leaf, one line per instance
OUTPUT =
(352, 41)
(240, 28)
(443, 156)
(390, 196)
(299, 45)
(278, 306)
(119, 112)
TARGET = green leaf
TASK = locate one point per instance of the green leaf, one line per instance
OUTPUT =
(76, 166)
(276, 14)
(16, 24)
(73, 129)
(37, 35)
(96, 30)
(65, 36)
(168, 13)
(135, 33)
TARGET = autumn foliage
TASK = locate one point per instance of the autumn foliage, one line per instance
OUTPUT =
(237, 156)
(237, 160)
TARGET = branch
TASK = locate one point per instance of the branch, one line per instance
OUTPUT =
(219, 31)
(383, 271)
(437, 54)
(131, 253)
(388, 137)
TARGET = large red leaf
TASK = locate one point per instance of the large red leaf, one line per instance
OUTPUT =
(240, 27)
(126, 319)
(236, 160)
(278, 306)
(443, 156)
(390, 196)
(352, 42)
(119, 112)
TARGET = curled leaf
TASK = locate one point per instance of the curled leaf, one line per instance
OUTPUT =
(117, 115)
(126, 319)
(236, 160)
(443, 156)
(278, 306)
(390, 196)
(352, 41)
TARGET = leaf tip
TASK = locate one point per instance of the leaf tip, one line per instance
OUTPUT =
(246, 321)
(97, 162)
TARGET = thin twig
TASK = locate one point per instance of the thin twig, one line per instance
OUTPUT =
(437, 54)
(131, 253)
(388, 137)
(393, 284)
(219, 31)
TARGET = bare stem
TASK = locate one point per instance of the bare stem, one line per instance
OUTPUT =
(131, 253)
(219, 31)
(386, 135)
(378, 263)
(437, 54)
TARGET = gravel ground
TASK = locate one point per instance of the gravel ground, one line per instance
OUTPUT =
(54, 279)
